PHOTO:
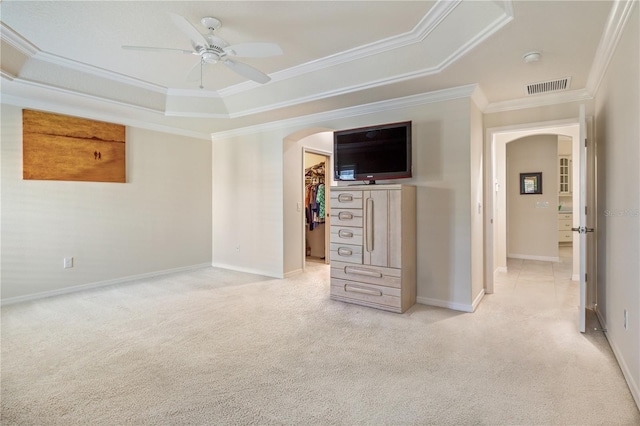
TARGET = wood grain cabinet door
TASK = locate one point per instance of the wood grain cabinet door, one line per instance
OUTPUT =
(376, 229)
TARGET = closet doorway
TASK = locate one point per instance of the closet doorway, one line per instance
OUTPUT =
(316, 205)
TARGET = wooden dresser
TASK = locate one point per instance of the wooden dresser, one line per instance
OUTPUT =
(373, 245)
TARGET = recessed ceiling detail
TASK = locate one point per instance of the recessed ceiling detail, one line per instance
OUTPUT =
(357, 54)
(548, 86)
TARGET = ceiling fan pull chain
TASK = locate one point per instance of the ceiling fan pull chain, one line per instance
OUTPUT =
(201, 85)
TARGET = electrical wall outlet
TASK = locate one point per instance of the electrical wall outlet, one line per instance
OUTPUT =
(68, 262)
(626, 319)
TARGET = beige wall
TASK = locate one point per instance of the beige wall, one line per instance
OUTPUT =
(532, 220)
(159, 220)
(618, 225)
(476, 200)
(247, 204)
(441, 166)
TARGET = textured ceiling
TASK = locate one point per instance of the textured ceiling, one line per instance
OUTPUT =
(336, 54)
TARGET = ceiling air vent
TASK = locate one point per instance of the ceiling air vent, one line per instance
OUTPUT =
(548, 86)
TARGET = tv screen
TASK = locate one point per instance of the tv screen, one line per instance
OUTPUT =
(371, 153)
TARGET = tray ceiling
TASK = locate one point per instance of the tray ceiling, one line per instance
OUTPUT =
(351, 52)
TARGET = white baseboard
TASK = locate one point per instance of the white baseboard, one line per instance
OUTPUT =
(292, 273)
(445, 304)
(477, 300)
(82, 287)
(248, 270)
(530, 257)
(633, 386)
(502, 269)
(575, 277)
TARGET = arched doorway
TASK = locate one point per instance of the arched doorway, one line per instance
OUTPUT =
(319, 141)
(497, 138)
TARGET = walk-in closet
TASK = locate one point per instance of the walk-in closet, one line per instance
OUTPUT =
(314, 206)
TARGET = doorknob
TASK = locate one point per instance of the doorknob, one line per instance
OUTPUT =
(582, 229)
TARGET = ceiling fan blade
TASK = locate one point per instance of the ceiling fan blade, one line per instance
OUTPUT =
(195, 73)
(159, 49)
(254, 50)
(247, 71)
(197, 39)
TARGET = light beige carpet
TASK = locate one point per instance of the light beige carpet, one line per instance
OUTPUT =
(217, 347)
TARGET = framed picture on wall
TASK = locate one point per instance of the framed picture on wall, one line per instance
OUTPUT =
(531, 183)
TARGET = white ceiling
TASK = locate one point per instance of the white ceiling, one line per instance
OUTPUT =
(336, 55)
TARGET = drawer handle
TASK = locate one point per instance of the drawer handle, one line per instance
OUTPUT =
(348, 288)
(343, 233)
(345, 197)
(345, 215)
(369, 225)
(344, 251)
(363, 272)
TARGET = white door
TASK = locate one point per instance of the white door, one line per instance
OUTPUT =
(582, 229)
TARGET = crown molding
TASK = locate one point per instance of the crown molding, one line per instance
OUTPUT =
(463, 50)
(82, 112)
(539, 101)
(9, 36)
(80, 105)
(479, 98)
(428, 23)
(50, 58)
(370, 108)
(193, 93)
(617, 20)
(66, 92)
(7, 75)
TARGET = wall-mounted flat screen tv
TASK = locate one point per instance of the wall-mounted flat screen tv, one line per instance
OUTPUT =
(373, 153)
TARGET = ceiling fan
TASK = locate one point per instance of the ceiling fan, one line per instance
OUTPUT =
(212, 49)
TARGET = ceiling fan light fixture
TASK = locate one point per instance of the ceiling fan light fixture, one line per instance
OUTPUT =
(210, 57)
(211, 23)
(532, 57)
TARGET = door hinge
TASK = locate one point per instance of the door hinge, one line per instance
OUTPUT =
(585, 278)
(585, 210)
(585, 142)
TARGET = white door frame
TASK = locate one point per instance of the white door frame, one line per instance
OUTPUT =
(495, 188)
(327, 196)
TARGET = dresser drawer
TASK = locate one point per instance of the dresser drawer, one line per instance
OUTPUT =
(387, 277)
(346, 235)
(346, 253)
(346, 217)
(565, 216)
(346, 199)
(565, 236)
(369, 294)
(565, 225)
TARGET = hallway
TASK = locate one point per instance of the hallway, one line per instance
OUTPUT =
(539, 284)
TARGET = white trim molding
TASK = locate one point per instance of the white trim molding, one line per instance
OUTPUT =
(531, 257)
(618, 17)
(374, 107)
(462, 307)
(248, 270)
(90, 286)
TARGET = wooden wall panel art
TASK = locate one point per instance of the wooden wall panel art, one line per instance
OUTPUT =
(59, 147)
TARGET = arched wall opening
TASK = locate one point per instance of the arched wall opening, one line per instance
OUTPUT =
(499, 138)
(318, 141)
